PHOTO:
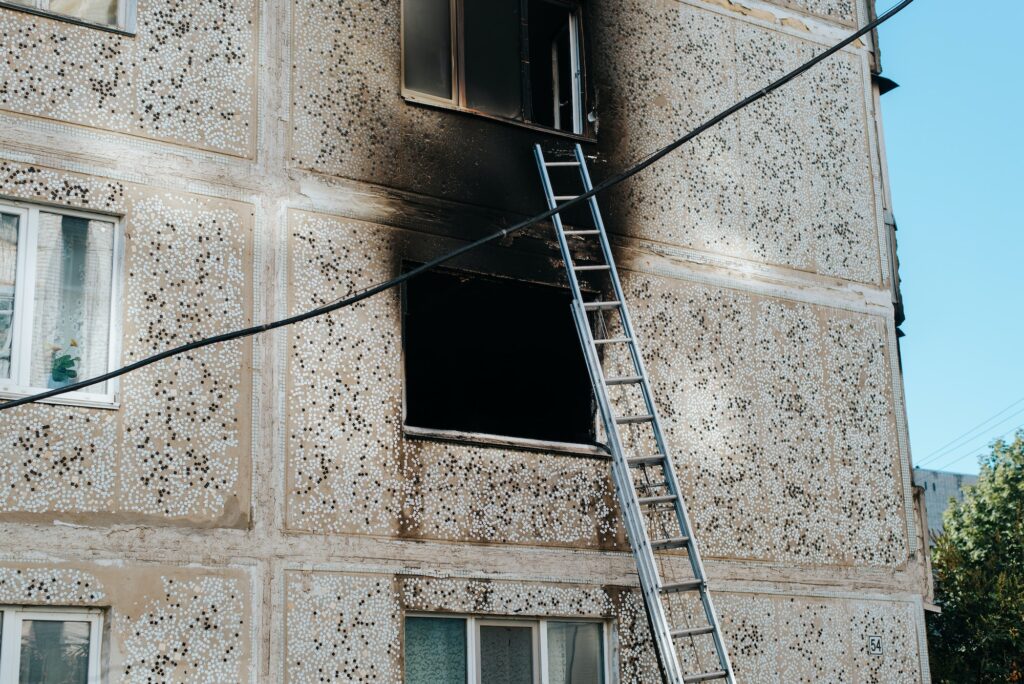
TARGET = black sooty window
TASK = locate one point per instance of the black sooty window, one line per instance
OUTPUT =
(494, 356)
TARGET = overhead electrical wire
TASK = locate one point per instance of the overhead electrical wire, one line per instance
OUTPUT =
(497, 235)
(979, 450)
(972, 434)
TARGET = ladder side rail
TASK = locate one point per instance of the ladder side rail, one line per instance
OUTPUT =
(634, 522)
(563, 243)
(696, 562)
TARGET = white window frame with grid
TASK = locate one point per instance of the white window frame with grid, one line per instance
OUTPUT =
(10, 642)
(539, 628)
(18, 385)
(126, 13)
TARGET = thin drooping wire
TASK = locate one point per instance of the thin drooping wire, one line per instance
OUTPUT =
(497, 235)
(973, 433)
(978, 451)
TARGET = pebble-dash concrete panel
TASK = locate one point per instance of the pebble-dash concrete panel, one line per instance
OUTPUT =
(347, 628)
(162, 623)
(781, 419)
(188, 76)
(785, 182)
(349, 468)
(178, 447)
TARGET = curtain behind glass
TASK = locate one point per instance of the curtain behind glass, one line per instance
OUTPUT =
(575, 653)
(506, 655)
(8, 270)
(74, 268)
(97, 11)
(54, 652)
(435, 651)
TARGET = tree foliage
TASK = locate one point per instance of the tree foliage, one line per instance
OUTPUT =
(979, 577)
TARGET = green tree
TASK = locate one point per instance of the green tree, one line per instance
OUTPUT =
(979, 577)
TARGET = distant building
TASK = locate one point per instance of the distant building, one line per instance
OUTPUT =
(939, 488)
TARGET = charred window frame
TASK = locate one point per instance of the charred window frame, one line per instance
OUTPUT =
(494, 360)
(518, 61)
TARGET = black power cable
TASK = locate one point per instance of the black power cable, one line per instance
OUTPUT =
(381, 287)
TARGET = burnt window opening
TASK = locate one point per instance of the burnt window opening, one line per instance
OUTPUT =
(494, 356)
(518, 60)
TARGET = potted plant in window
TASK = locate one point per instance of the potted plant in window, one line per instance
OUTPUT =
(63, 370)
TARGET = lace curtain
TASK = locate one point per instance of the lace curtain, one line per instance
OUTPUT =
(575, 653)
(54, 652)
(506, 655)
(74, 268)
(435, 651)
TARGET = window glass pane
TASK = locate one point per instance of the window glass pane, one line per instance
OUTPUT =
(97, 11)
(428, 46)
(8, 270)
(435, 651)
(71, 315)
(54, 652)
(575, 653)
(492, 55)
(506, 655)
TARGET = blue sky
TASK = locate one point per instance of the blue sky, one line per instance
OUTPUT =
(955, 142)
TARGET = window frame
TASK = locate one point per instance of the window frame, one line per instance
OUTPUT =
(24, 302)
(539, 626)
(126, 15)
(10, 642)
(582, 128)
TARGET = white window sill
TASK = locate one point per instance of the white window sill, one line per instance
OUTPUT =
(484, 439)
(80, 399)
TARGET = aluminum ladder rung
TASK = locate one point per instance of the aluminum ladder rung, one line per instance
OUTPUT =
(599, 306)
(645, 461)
(677, 587)
(613, 340)
(670, 543)
(629, 492)
(694, 631)
(657, 500)
(630, 420)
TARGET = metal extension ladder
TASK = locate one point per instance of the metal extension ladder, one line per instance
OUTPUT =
(649, 503)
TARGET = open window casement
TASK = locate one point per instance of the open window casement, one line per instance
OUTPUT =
(515, 60)
(111, 14)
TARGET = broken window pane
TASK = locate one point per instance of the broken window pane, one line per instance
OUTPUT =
(492, 56)
(428, 47)
(494, 356)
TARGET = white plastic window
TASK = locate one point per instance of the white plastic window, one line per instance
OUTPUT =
(44, 646)
(59, 288)
(111, 13)
(471, 650)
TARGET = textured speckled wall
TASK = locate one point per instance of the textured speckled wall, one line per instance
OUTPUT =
(254, 512)
(163, 623)
(775, 639)
(188, 76)
(178, 448)
(780, 414)
(787, 182)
